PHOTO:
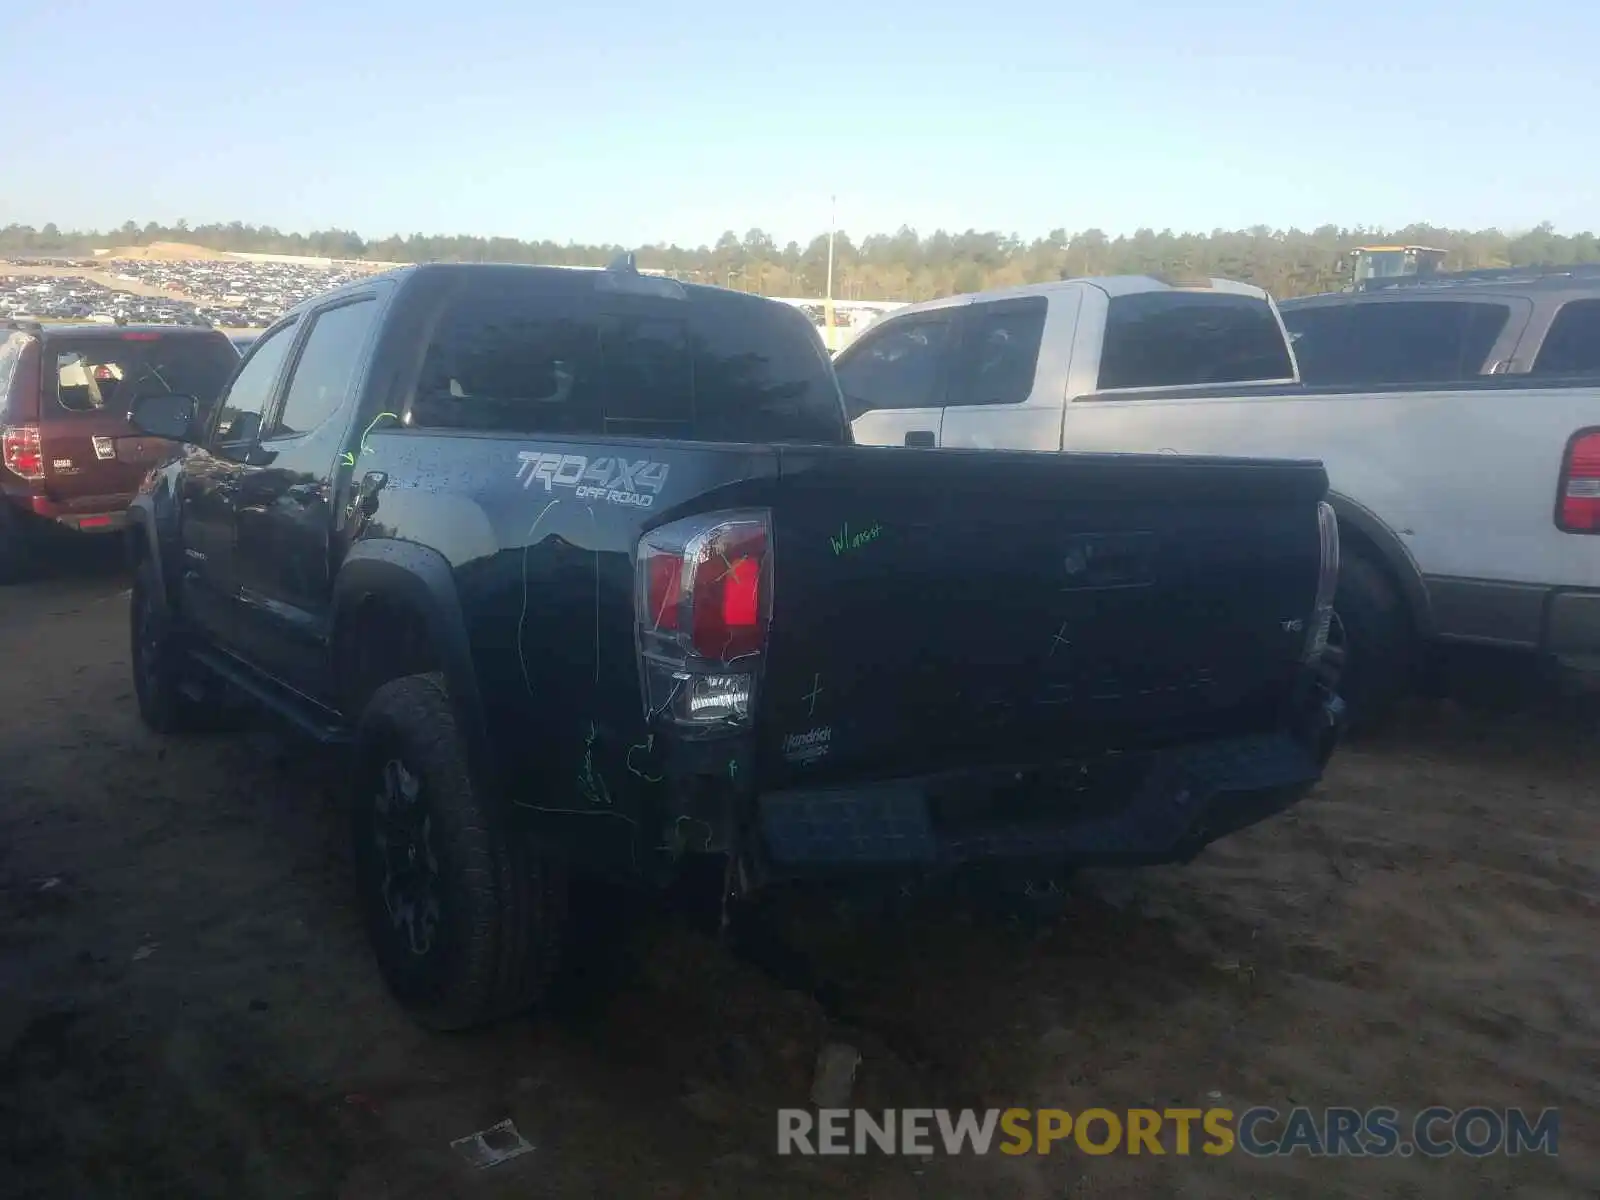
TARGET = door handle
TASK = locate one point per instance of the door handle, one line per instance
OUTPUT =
(365, 502)
(919, 437)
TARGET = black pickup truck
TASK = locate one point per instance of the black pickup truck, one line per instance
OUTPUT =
(585, 568)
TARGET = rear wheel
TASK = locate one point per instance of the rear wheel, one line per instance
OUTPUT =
(15, 552)
(464, 915)
(1378, 647)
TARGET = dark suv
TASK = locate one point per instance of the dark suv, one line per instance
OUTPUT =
(70, 459)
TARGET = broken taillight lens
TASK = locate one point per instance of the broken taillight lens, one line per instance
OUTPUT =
(23, 451)
(703, 603)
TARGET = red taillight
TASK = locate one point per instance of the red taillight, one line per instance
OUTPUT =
(704, 600)
(727, 595)
(141, 337)
(24, 455)
(1578, 502)
(664, 590)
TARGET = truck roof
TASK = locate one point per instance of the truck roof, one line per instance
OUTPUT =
(564, 275)
(1111, 285)
(1547, 282)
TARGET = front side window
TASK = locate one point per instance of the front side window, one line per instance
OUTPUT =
(898, 365)
(239, 422)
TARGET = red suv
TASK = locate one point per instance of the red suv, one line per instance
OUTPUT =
(69, 460)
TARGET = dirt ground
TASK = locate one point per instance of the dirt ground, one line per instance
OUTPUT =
(187, 1006)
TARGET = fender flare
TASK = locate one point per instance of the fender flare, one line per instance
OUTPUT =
(146, 523)
(1394, 555)
(422, 580)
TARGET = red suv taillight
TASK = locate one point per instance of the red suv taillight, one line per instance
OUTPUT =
(703, 600)
(24, 455)
(1578, 499)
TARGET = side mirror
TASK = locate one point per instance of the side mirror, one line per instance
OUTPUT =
(166, 416)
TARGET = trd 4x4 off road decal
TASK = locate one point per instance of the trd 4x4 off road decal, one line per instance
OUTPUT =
(614, 480)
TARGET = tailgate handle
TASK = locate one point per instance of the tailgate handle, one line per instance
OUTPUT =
(919, 437)
(1098, 560)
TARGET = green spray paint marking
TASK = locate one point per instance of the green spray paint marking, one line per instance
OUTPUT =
(348, 459)
(590, 782)
(845, 540)
(648, 746)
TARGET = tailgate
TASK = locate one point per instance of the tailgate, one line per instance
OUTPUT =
(82, 457)
(952, 609)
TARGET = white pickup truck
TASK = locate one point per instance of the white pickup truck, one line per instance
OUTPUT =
(1468, 511)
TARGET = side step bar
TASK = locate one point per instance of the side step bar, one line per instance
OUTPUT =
(304, 715)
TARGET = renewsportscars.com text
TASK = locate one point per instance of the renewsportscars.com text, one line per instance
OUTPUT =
(1260, 1132)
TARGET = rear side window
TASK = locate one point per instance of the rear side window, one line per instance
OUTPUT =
(999, 352)
(510, 362)
(714, 367)
(10, 356)
(1409, 341)
(1176, 339)
(100, 375)
(1572, 347)
(1318, 336)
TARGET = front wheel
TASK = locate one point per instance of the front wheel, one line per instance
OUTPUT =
(464, 916)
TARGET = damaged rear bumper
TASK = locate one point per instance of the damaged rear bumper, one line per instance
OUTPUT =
(1154, 807)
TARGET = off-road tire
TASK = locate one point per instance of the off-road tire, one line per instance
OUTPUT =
(1379, 643)
(16, 557)
(498, 905)
(161, 668)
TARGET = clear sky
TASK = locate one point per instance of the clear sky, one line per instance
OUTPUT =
(593, 120)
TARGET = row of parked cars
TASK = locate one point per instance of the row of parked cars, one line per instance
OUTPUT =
(600, 573)
(72, 298)
(229, 293)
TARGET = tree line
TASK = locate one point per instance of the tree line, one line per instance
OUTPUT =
(904, 265)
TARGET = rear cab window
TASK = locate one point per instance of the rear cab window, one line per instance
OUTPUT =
(1177, 338)
(99, 374)
(713, 366)
(1399, 341)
